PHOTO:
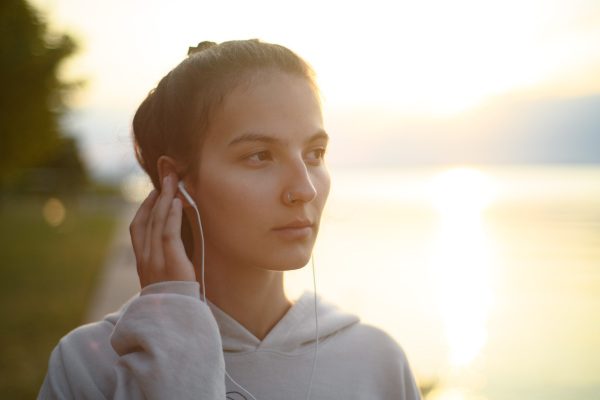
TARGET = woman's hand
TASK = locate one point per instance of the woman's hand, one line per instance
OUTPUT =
(156, 237)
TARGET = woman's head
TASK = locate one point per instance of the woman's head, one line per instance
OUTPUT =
(241, 123)
(175, 117)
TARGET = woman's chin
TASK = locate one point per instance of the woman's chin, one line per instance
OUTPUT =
(291, 263)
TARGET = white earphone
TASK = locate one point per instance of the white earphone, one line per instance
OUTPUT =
(185, 193)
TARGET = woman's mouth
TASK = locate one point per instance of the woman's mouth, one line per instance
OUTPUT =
(295, 230)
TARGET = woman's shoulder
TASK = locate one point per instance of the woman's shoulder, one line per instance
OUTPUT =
(352, 337)
(336, 320)
(373, 358)
(371, 340)
(88, 344)
(82, 359)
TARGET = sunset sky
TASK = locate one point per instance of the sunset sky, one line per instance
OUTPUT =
(391, 72)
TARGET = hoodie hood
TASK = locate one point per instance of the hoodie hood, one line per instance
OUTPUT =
(294, 334)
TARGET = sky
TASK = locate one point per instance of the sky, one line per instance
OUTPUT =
(394, 74)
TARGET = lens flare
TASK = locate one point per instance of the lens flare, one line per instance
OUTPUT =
(54, 212)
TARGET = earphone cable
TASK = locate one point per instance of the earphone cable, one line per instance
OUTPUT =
(202, 238)
(312, 373)
(315, 302)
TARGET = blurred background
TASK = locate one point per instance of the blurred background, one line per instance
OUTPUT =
(464, 217)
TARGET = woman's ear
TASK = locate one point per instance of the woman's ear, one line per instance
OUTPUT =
(167, 165)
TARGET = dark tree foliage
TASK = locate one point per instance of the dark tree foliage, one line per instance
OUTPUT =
(31, 95)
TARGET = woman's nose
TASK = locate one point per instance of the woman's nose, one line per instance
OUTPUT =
(299, 187)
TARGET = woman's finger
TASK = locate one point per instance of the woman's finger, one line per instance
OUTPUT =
(158, 219)
(179, 267)
(137, 228)
(161, 209)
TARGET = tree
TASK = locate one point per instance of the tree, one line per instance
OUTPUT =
(31, 94)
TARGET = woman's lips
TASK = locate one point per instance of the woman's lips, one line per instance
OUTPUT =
(295, 230)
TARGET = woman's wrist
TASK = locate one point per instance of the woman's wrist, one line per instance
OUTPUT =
(186, 288)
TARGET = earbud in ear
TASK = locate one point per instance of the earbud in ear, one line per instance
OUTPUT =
(185, 193)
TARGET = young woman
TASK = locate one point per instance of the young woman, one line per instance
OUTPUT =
(240, 125)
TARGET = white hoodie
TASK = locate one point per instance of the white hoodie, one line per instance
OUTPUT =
(167, 344)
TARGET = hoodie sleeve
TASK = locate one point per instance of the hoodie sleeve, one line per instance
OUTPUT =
(166, 344)
(410, 389)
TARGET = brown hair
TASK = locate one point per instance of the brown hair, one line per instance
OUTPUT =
(175, 116)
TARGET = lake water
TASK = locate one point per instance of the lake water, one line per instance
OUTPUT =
(489, 277)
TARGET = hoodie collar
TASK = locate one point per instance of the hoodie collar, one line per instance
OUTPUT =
(295, 333)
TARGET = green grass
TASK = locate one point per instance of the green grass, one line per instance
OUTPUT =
(46, 277)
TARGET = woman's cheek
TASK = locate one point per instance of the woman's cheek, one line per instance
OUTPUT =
(324, 185)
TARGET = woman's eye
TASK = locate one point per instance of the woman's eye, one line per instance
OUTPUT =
(317, 154)
(259, 156)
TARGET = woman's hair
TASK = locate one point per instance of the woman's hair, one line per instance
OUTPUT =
(175, 117)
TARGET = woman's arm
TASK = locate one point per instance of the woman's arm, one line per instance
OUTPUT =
(166, 344)
(169, 346)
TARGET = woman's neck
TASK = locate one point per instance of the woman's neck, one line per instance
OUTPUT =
(253, 297)
(257, 306)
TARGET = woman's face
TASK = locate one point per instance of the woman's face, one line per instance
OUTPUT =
(267, 143)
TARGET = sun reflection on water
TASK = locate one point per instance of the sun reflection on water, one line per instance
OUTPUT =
(461, 267)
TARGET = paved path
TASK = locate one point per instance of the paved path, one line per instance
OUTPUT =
(118, 280)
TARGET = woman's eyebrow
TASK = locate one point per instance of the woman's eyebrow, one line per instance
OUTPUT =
(258, 137)
(321, 135)
(253, 137)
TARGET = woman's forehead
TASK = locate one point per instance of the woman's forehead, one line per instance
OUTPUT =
(279, 106)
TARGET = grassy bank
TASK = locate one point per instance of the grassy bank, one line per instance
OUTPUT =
(49, 265)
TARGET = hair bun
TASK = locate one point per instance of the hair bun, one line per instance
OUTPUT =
(201, 47)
